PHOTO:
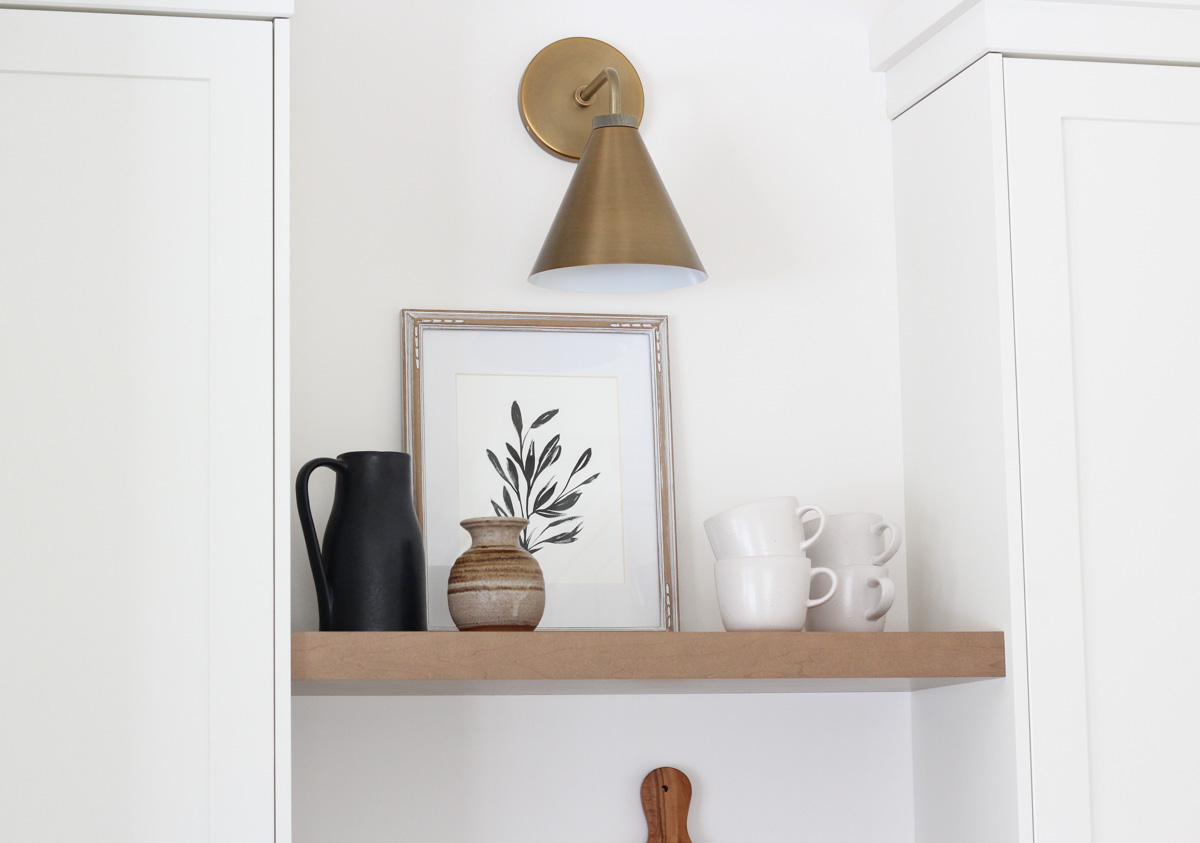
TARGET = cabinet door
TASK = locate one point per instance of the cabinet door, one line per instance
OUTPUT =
(1104, 174)
(136, 486)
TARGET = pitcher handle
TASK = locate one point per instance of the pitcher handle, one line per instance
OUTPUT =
(893, 545)
(887, 595)
(833, 584)
(820, 524)
(324, 593)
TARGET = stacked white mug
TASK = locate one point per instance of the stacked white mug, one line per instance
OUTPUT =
(763, 573)
(852, 545)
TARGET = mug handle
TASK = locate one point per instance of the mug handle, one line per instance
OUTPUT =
(888, 589)
(820, 526)
(833, 578)
(893, 545)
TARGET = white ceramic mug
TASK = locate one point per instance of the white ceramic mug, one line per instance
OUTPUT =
(770, 527)
(852, 538)
(864, 596)
(768, 592)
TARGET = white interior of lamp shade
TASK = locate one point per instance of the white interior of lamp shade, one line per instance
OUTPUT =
(618, 278)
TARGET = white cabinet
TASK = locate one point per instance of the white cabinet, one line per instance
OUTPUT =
(1104, 191)
(1047, 216)
(137, 503)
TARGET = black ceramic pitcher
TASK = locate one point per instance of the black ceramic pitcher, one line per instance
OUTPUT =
(370, 569)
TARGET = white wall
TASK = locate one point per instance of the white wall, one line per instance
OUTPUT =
(415, 185)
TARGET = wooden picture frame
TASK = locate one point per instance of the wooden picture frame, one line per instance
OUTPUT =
(609, 376)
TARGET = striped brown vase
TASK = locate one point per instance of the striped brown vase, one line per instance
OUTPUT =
(496, 585)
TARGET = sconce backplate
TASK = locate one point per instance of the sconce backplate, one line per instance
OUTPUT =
(547, 102)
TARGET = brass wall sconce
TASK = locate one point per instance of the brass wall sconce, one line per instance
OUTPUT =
(616, 230)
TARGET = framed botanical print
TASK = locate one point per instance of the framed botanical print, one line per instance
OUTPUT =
(562, 419)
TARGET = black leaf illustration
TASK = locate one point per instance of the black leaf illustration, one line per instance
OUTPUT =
(544, 496)
(566, 538)
(514, 453)
(563, 504)
(543, 418)
(544, 458)
(554, 498)
(527, 466)
(584, 459)
(496, 465)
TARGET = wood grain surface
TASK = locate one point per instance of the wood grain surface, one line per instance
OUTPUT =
(645, 656)
(666, 797)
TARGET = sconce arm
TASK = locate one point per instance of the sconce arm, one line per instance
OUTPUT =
(586, 94)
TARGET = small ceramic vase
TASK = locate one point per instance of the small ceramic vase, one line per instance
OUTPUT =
(496, 585)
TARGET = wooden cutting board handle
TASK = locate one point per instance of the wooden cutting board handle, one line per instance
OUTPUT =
(666, 795)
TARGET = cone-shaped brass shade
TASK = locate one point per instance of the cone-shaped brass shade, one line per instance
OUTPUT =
(616, 230)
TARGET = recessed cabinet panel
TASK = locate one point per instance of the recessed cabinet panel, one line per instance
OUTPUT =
(1134, 299)
(105, 337)
(135, 334)
(1104, 185)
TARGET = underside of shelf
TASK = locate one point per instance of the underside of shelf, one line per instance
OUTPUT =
(441, 663)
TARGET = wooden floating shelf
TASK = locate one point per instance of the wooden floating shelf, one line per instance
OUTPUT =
(440, 663)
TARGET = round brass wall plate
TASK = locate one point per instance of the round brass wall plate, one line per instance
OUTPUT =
(549, 111)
